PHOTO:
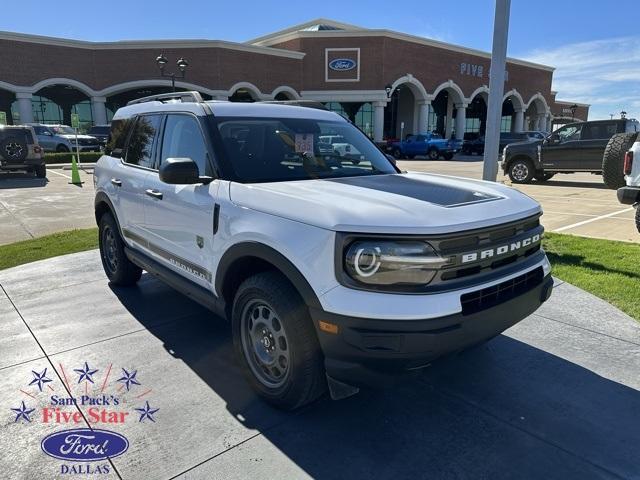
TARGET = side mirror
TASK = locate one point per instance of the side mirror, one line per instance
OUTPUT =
(181, 171)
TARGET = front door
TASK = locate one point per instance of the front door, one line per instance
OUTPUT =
(179, 218)
(561, 151)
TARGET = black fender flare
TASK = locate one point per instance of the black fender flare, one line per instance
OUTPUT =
(272, 256)
(102, 197)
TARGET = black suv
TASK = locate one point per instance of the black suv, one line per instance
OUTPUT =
(19, 150)
(575, 147)
(476, 145)
(101, 132)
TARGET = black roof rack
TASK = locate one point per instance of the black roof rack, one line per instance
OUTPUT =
(184, 97)
(299, 103)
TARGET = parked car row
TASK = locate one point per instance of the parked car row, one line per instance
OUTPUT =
(62, 138)
(475, 145)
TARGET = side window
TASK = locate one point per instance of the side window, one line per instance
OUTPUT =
(569, 133)
(140, 147)
(118, 135)
(183, 139)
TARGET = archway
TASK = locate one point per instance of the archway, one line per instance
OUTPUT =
(447, 99)
(8, 106)
(513, 108)
(476, 117)
(285, 93)
(536, 113)
(54, 104)
(244, 92)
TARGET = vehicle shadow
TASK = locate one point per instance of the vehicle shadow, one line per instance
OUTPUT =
(553, 182)
(502, 410)
(20, 180)
(573, 260)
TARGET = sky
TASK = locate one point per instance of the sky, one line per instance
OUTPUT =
(593, 44)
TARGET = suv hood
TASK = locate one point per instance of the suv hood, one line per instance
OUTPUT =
(80, 137)
(525, 145)
(398, 203)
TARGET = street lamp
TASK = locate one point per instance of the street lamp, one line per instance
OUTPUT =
(388, 89)
(182, 64)
(573, 109)
(623, 114)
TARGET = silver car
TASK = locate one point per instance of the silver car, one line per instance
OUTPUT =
(62, 138)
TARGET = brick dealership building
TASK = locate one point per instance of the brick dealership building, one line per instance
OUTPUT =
(389, 83)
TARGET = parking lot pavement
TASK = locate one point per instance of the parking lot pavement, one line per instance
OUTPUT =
(31, 207)
(577, 203)
(556, 396)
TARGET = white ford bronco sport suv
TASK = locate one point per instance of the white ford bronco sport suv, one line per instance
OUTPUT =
(334, 272)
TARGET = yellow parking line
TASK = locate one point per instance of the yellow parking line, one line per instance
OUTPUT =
(584, 222)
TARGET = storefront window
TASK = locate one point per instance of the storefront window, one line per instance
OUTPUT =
(49, 112)
(472, 125)
(364, 117)
(505, 123)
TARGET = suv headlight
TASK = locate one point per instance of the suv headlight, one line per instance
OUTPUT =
(380, 263)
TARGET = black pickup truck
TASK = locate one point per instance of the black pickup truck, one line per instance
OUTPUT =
(575, 147)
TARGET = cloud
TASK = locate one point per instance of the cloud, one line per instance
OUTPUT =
(604, 73)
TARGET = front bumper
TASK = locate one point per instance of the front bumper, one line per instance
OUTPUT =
(375, 352)
(629, 195)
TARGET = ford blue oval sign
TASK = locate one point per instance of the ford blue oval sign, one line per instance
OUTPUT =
(84, 445)
(342, 64)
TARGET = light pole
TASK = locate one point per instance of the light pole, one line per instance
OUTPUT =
(623, 114)
(496, 89)
(573, 109)
(182, 64)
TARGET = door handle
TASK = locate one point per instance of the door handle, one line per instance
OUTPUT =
(116, 181)
(154, 194)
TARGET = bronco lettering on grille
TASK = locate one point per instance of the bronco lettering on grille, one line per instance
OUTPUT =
(501, 250)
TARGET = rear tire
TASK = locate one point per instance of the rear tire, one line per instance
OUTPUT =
(275, 342)
(119, 269)
(40, 171)
(447, 156)
(521, 170)
(613, 159)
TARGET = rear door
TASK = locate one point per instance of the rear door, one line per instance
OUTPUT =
(179, 218)
(594, 139)
(562, 150)
(130, 175)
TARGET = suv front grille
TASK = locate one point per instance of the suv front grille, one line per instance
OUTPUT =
(489, 297)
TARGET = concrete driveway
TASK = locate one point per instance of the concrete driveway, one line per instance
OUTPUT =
(555, 397)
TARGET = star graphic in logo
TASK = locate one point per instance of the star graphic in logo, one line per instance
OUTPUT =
(85, 373)
(128, 379)
(39, 378)
(23, 412)
(146, 412)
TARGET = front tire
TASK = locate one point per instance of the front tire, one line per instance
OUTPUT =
(62, 148)
(119, 269)
(447, 156)
(275, 342)
(521, 171)
(433, 154)
(638, 219)
(397, 154)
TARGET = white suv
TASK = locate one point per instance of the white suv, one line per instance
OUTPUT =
(333, 274)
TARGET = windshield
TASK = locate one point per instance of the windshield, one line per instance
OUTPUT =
(280, 149)
(63, 130)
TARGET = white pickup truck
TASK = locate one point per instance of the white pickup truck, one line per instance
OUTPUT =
(630, 194)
